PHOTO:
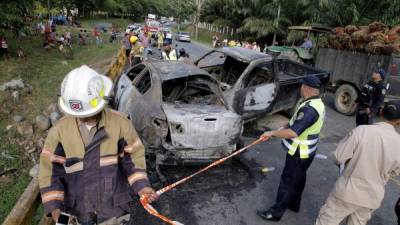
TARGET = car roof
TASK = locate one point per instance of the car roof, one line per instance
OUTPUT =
(243, 54)
(168, 70)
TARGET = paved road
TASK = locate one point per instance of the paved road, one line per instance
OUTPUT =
(227, 195)
(194, 49)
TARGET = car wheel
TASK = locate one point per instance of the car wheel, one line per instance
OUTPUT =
(345, 96)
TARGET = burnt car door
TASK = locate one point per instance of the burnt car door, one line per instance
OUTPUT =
(124, 85)
(255, 91)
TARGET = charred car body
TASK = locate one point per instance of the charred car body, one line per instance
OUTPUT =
(179, 112)
(256, 84)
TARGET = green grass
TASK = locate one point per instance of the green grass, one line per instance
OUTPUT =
(44, 70)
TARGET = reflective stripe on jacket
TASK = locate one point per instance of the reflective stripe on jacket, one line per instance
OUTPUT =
(307, 142)
(92, 181)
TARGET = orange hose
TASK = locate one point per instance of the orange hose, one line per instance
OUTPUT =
(152, 211)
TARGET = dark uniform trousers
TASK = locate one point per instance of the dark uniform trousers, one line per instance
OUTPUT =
(362, 118)
(292, 184)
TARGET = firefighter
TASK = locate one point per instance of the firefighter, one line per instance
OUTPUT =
(371, 98)
(300, 141)
(136, 54)
(92, 158)
(169, 53)
(370, 155)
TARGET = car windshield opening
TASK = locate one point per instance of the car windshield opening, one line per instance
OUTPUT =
(200, 90)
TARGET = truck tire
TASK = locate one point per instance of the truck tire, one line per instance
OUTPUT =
(345, 96)
(292, 55)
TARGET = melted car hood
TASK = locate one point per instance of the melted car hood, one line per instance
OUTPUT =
(202, 126)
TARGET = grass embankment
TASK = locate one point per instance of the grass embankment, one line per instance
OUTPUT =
(44, 70)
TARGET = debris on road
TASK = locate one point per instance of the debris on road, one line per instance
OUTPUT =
(321, 156)
(267, 169)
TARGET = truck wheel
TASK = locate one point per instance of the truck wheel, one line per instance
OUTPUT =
(345, 96)
(291, 55)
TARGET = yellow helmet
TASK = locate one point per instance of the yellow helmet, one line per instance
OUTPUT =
(133, 39)
(232, 43)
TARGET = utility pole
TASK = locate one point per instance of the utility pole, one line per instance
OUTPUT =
(276, 23)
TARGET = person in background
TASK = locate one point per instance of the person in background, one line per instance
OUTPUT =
(4, 47)
(184, 56)
(371, 98)
(68, 38)
(82, 38)
(214, 41)
(256, 47)
(136, 54)
(127, 44)
(370, 156)
(145, 41)
(160, 40)
(225, 42)
(169, 54)
(307, 44)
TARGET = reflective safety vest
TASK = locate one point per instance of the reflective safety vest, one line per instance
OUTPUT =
(306, 142)
(171, 56)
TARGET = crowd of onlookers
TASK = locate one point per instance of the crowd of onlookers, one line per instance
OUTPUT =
(216, 42)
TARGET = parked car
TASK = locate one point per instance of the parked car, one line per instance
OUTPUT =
(136, 28)
(183, 36)
(178, 111)
(256, 84)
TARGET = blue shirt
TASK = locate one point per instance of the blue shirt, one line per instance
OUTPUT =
(307, 44)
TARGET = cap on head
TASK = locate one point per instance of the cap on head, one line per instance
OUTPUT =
(312, 81)
(84, 92)
(391, 110)
(381, 72)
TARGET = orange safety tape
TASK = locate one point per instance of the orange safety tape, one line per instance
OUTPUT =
(152, 211)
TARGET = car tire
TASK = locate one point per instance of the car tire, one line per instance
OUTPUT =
(345, 96)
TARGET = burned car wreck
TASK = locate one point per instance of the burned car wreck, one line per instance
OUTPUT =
(179, 112)
(256, 84)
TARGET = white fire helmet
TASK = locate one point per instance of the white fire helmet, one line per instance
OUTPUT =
(84, 92)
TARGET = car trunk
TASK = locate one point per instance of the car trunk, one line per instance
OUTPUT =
(201, 127)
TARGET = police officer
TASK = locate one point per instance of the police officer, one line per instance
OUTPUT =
(300, 141)
(169, 54)
(371, 98)
(93, 157)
